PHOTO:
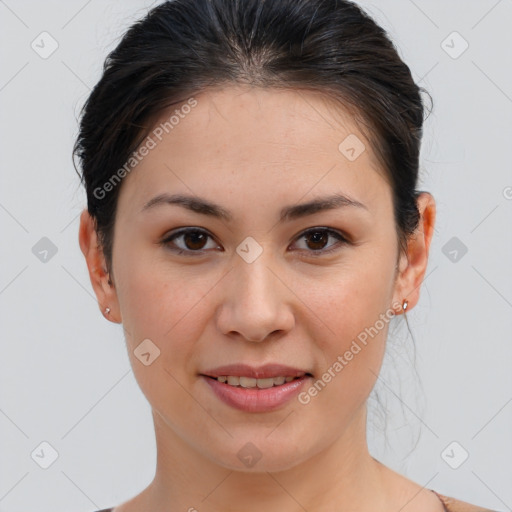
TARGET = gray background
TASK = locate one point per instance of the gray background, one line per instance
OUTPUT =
(65, 374)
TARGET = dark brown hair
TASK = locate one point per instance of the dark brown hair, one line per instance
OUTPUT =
(183, 47)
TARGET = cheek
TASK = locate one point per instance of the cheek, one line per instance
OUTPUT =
(351, 351)
(163, 309)
(163, 305)
(351, 316)
(348, 298)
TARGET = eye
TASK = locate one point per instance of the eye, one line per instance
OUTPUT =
(193, 238)
(319, 237)
(194, 241)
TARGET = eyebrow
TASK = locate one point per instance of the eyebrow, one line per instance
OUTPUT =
(288, 213)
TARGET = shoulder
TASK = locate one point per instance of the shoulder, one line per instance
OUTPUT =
(455, 505)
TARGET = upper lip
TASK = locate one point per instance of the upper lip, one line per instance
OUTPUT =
(261, 372)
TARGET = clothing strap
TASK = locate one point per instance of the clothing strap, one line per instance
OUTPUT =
(441, 500)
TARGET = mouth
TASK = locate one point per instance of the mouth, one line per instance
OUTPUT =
(252, 382)
(256, 389)
(256, 395)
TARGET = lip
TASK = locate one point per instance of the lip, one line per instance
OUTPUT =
(261, 372)
(254, 399)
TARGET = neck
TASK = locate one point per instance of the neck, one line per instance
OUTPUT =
(341, 476)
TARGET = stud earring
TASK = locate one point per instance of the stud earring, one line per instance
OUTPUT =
(107, 310)
(404, 304)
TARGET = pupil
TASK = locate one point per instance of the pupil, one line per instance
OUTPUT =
(314, 236)
(194, 236)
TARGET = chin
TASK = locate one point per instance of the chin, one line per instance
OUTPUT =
(260, 455)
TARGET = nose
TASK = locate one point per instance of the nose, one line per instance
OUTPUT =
(257, 301)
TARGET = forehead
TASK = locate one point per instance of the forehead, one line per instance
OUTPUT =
(252, 140)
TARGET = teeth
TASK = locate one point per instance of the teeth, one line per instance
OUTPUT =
(247, 382)
(250, 382)
(233, 381)
(262, 383)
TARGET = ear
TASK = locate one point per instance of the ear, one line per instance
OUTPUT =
(412, 267)
(96, 264)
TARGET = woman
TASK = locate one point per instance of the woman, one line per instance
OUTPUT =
(251, 172)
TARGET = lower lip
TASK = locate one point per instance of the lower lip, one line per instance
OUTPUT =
(255, 399)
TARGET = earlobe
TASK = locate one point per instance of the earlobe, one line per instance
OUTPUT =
(95, 259)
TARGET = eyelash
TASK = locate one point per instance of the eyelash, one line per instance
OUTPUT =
(321, 252)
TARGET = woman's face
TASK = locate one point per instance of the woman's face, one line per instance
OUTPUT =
(255, 289)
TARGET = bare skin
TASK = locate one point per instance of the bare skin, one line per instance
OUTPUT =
(253, 152)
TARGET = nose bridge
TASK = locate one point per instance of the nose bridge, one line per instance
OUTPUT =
(255, 280)
(254, 306)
